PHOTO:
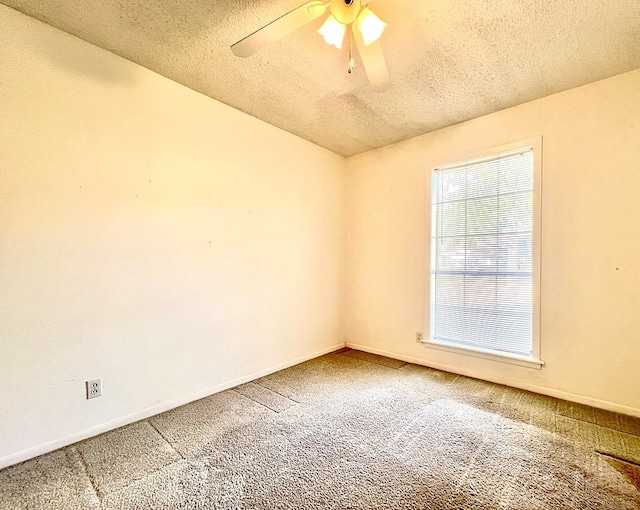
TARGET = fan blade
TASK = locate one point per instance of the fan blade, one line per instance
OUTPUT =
(279, 28)
(373, 61)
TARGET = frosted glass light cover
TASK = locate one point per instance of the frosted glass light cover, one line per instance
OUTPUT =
(333, 32)
(371, 27)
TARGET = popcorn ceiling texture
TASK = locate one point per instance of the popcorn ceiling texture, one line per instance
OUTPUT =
(449, 61)
(363, 432)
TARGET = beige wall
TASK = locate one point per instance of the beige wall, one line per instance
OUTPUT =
(150, 236)
(590, 280)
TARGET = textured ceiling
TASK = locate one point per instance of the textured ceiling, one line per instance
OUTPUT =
(449, 60)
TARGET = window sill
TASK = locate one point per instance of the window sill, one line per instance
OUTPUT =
(478, 352)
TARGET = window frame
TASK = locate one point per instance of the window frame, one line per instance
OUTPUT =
(533, 361)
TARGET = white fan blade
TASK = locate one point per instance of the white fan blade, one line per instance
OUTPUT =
(279, 28)
(373, 61)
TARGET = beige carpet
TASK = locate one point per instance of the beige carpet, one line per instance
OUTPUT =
(348, 431)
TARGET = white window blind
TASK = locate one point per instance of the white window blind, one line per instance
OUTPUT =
(482, 246)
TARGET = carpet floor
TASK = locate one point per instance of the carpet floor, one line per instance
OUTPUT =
(348, 430)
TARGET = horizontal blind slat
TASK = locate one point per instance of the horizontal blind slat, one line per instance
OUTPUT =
(482, 245)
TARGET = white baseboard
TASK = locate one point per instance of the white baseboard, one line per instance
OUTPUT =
(41, 449)
(551, 392)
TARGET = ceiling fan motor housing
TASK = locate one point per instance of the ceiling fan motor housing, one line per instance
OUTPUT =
(346, 11)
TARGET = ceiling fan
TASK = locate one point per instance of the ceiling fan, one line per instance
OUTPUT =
(365, 27)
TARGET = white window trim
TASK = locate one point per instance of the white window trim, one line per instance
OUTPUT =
(533, 361)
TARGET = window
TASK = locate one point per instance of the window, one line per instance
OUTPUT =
(484, 256)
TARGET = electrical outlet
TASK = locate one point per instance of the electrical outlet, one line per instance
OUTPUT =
(419, 336)
(94, 388)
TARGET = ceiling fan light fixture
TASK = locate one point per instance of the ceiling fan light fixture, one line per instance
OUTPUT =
(370, 26)
(333, 32)
(364, 26)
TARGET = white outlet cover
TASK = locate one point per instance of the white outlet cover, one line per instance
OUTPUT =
(94, 388)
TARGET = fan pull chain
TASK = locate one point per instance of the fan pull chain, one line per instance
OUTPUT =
(352, 63)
